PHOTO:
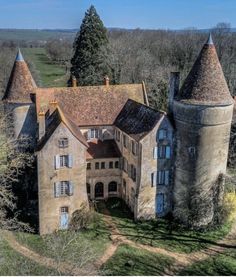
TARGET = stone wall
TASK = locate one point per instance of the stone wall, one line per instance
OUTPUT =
(49, 205)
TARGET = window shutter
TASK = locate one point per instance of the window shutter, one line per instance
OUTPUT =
(57, 189)
(57, 161)
(89, 134)
(70, 161)
(71, 188)
(155, 150)
(154, 179)
(166, 177)
(167, 152)
(159, 178)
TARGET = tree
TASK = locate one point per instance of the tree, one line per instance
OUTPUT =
(90, 63)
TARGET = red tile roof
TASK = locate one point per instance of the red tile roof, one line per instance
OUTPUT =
(90, 105)
(206, 83)
(102, 149)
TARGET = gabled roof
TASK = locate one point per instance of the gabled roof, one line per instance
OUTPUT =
(90, 105)
(53, 121)
(206, 84)
(137, 120)
(21, 82)
(102, 149)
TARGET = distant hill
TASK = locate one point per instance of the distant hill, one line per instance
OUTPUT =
(46, 34)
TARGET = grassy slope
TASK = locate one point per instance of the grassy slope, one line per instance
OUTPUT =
(220, 265)
(51, 75)
(158, 232)
(131, 261)
(12, 263)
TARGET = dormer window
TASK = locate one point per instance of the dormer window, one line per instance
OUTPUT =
(63, 142)
(94, 133)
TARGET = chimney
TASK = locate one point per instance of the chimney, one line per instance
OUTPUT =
(52, 106)
(74, 81)
(173, 90)
(106, 81)
(41, 121)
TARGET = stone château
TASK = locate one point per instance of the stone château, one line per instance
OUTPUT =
(96, 142)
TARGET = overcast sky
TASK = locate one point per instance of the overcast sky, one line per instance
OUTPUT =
(149, 14)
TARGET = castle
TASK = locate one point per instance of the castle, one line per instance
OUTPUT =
(96, 142)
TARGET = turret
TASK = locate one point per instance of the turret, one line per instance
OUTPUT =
(202, 112)
(21, 82)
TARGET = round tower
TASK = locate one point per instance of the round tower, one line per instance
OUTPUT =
(17, 101)
(202, 113)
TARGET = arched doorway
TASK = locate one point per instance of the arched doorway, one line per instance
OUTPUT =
(112, 188)
(99, 190)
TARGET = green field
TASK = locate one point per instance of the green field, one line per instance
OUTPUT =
(50, 74)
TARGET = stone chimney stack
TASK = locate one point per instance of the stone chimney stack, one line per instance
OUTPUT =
(52, 106)
(41, 124)
(106, 81)
(173, 89)
(74, 82)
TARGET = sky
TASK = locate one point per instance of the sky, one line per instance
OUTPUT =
(145, 14)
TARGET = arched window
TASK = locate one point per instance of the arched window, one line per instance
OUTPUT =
(112, 187)
(99, 190)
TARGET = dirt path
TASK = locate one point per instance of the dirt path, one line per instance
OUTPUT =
(65, 268)
(181, 260)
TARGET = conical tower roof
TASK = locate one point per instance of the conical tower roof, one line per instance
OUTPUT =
(21, 82)
(206, 84)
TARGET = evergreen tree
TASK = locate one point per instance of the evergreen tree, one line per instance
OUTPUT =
(90, 63)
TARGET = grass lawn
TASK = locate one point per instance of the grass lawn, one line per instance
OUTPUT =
(221, 265)
(92, 242)
(50, 74)
(160, 233)
(131, 261)
(12, 263)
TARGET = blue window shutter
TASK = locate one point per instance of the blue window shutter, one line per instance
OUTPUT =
(166, 177)
(168, 152)
(57, 161)
(57, 189)
(159, 178)
(70, 161)
(155, 150)
(89, 134)
(71, 188)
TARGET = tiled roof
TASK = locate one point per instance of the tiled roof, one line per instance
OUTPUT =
(21, 82)
(206, 83)
(53, 121)
(137, 120)
(102, 149)
(90, 105)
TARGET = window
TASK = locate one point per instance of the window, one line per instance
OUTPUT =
(63, 142)
(112, 187)
(102, 165)
(110, 164)
(117, 135)
(97, 165)
(134, 147)
(63, 161)
(88, 188)
(63, 188)
(154, 179)
(192, 151)
(125, 165)
(164, 152)
(64, 210)
(94, 133)
(125, 141)
(88, 166)
(162, 134)
(116, 164)
(163, 177)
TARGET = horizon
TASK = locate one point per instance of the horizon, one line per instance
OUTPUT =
(123, 14)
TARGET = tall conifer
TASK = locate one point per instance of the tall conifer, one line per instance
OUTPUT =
(90, 61)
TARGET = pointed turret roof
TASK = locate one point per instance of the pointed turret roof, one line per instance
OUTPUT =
(21, 82)
(206, 84)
